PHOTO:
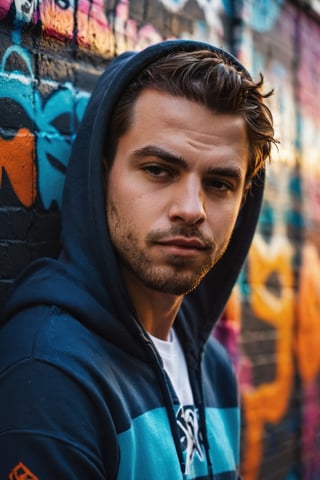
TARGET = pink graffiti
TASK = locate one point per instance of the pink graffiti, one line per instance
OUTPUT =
(128, 35)
(4, 8)
(227, 330)
(311, 427)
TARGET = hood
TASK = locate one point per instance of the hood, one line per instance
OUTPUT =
(88, 261)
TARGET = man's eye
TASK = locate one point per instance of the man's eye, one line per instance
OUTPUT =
(156, 171)
(221, 185)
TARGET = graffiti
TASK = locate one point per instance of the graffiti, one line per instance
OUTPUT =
(308, 337)
(283, 109)
(308, 354)
(92, 29)
(107, 33)
(50, 143)
(17, 159)
(127, 34)
(277, 311)
(89, 27)
(267, 403)
(261, 15)
(212, 9)
(285, 313)
(23, 11)
(227, 330)
(298, 129)
(308, 66)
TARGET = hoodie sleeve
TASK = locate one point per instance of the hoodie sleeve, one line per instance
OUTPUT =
(50, 427)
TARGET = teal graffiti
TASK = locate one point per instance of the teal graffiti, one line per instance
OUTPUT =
(265, 14)
(53, 145)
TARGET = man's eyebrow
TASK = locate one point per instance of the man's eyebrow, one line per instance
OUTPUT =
(226, 171)
(161, 153)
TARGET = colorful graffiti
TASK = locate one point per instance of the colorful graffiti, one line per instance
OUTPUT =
(17, 159)
(290, 309)
(43, 153)
(109, 32)
(280, 288)
(277, 310)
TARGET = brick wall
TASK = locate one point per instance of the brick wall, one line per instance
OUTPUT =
(50, 59)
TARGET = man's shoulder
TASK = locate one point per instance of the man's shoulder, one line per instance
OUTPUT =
(42, 333)
(215, 351)
(220, 374)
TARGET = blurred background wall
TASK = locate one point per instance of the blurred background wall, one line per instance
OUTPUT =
(51, 54)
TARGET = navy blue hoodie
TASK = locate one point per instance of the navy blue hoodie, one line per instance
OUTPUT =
(83, 393)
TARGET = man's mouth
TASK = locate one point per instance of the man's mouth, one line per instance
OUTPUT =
(183, 246)
(192, 243)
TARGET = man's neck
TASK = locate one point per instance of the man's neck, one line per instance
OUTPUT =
(156, 310)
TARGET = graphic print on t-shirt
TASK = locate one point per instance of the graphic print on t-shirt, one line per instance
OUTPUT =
(190, 435)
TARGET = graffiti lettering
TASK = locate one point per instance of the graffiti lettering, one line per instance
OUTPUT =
(50, 146)
(268, 402)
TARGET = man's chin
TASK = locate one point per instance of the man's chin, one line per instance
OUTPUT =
(172, 279)
(174, 286)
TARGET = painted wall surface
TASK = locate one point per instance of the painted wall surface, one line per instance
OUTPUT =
(51, 53)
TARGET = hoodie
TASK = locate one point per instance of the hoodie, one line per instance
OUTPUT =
(84, 394)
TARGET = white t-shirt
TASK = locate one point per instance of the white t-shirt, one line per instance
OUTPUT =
(175, 365)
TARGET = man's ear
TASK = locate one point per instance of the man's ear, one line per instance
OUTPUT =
(246, 188)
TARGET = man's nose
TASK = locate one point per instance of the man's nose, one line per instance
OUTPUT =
(187, 202)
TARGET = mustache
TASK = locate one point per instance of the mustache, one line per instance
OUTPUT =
(157, 236)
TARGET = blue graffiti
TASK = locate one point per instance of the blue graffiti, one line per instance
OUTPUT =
(265, 14)
(53, 145)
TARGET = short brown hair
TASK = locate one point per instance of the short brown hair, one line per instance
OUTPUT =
(211, 79)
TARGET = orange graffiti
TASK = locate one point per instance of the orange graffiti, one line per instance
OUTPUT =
(269, 401)
(17, 158)
(308, 310)
(92, 30)
(21, 472)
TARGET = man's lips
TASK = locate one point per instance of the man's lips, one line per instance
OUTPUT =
(191, 243)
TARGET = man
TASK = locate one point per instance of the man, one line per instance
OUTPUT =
(108, 369)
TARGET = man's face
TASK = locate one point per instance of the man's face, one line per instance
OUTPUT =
(174, 191)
